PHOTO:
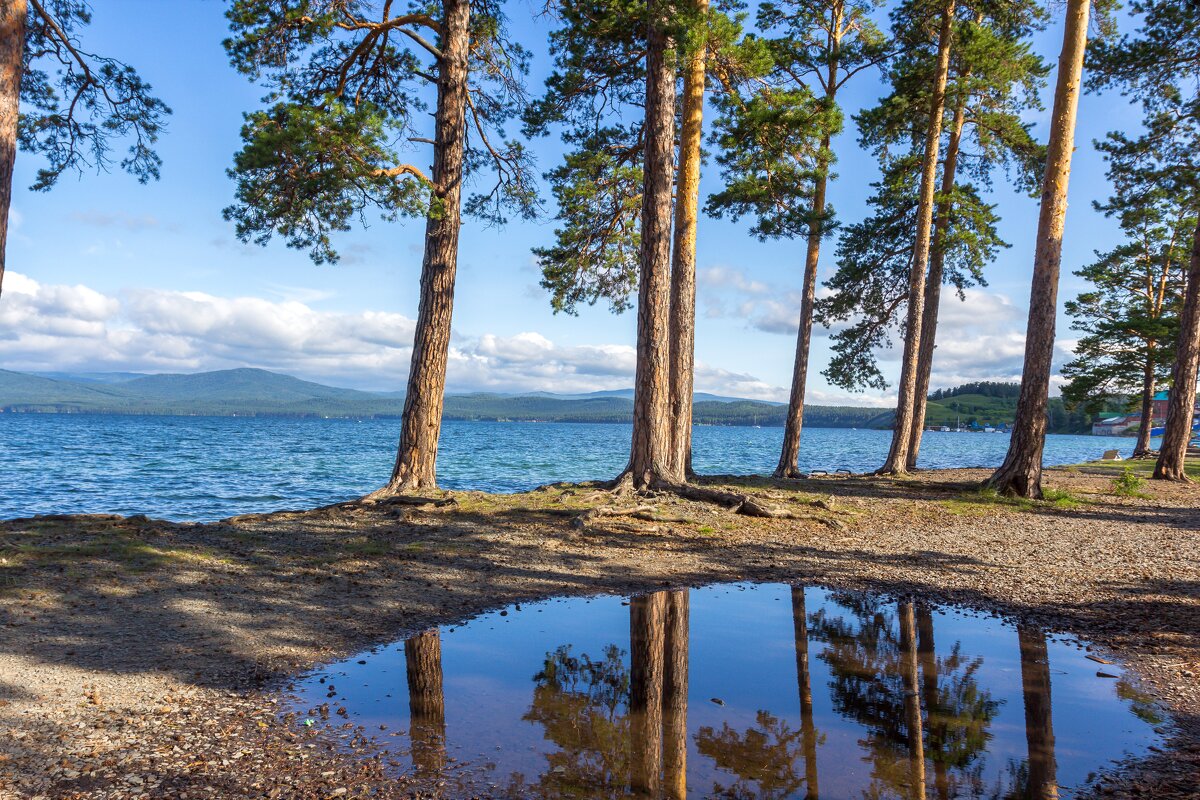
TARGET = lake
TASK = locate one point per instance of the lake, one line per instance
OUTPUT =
(734, 691)
(206, 468)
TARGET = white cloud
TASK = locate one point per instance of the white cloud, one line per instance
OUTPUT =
(45, 327)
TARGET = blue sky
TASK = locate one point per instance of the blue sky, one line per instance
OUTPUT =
(106, 274)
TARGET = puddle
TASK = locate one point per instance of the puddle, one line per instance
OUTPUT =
(736, 691)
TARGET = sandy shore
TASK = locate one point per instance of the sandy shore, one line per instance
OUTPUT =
(140, 658)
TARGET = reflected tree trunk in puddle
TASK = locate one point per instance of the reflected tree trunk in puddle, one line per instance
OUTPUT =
(675, 689)
(912, 701)
(808, 728)
(426, 702)
(1039, 726)
(647, 628)
(929, 690)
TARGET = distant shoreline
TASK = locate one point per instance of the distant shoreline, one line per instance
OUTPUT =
(453, 418)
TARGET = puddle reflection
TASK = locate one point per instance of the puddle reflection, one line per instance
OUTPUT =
(562, 700)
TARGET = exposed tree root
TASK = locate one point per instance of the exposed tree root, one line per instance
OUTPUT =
(389, 497)
(647, 513)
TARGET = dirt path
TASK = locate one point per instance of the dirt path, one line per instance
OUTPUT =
(137, 658)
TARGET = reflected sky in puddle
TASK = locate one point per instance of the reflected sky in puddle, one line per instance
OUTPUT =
(739, 691)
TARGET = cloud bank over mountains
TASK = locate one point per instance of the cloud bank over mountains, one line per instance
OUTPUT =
(74, 327)
(62, 328)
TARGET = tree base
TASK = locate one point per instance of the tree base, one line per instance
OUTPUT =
(1164, 472)
(1008, 482)
(788, 474)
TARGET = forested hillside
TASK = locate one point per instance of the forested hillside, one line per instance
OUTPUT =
(255, 392)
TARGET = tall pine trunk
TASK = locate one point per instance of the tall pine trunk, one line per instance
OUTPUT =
(650, 458)
(683, 267)
(1021, 473)
(1143, 440)
(416, 459)
(426, 702)
(933, 283)
(789, 457)
(808, 728)
(647, 628)
(675, 696)
(12, 53)
(793, 426)
(1172, 456)
(912, 701)
(932, 699)
(897, 459)
(1039, 725)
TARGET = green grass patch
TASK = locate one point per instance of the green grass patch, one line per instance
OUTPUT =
(985, 498)
(1142, 467)
(130, 551)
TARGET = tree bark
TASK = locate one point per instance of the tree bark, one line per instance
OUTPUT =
(1039, 726)
(912, 701)
(683, 267)
(929, 690)
(1143, 441)
(650, 454)
(421, 423)
(897, 459)
(675, 696)
(1181, 402)
(647, 618)
(426, 702)
(933, 283)
(1021, 473)
(808, 728)
(12, 54)
(789, 457)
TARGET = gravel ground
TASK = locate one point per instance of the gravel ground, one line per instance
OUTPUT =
(141, 659)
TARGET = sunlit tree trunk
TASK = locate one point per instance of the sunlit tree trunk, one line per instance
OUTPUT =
(912, 701)
(793, 426)
(1172, 456)
(933, 283)
(12, 53)
(647, 623)
(1039, 726)
(1021, 473)
(808, 728)
(675, 695)
(1143, 440)
(416, 461)
(683, 267)
(789, 458)
(426, 702)
(897, 459)
(929, 689)
(651, 455)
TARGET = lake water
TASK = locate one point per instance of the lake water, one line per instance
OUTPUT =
(735, 691)
(205, 468)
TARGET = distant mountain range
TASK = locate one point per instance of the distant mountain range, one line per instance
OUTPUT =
(257, 392)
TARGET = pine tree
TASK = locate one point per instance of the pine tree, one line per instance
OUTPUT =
(78, 104)
(1021, 473)
(1131, 315)
(776, 147)
(994, 80)
(897, 457)
(1159, 66)
(348, 80)
(613, 94)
